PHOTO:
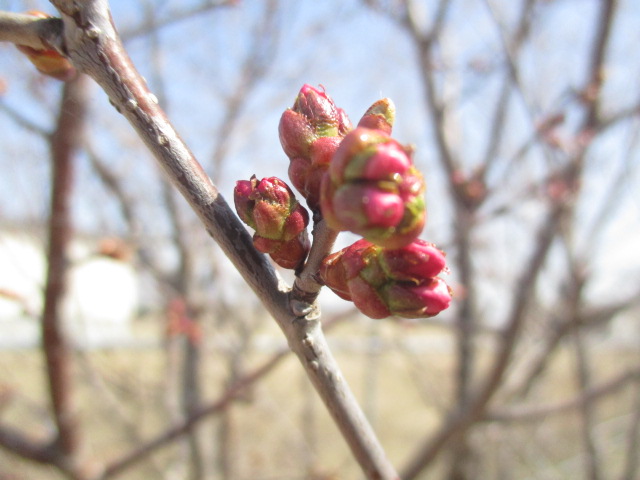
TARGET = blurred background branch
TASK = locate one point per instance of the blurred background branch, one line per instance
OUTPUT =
(524, 118)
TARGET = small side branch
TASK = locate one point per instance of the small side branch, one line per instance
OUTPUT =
(17, 443)
(30, 31)
(531, 414)
(306, 287)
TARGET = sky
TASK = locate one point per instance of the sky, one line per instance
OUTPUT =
(358, 55)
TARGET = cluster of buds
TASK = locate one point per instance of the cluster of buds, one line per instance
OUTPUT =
(310, 134)
(269, 207)
(373, 189)
(383, 282)
(47, 61)
(359, 180)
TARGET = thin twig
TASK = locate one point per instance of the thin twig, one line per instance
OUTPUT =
(23, 121)
(233, 391)
(255, 66)
(30, 31)
(633, 437)
(16, 442)
(175, 16)
(306, 286)
(582, 368)
(536, 413)
(231, 394)
(463, 420)
(512, 79)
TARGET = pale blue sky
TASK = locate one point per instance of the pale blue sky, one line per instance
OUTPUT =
(359, 57)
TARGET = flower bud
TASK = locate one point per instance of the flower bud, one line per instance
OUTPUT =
(417, 260)
(339, 267)
(373, 189)
(271, 209)
(310, 133)
(288, 254)
(424, 299)
(47, 61)
(382, 282)
(380, 116)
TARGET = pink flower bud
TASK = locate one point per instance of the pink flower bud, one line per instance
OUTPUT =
(334, 276)
(318, 108)
(288, 254)
(382, 282)
(380, 116)
(417, 260)
(270, 208)
(296, 134)
(389, 161)
(358, 207)
(373, 189)
(426, 299)
(310, 133)
(244, 201)
(367, 299)
(347, 263)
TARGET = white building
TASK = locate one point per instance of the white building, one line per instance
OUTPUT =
(102, 291)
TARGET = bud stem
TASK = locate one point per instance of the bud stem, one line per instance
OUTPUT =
(306, 287)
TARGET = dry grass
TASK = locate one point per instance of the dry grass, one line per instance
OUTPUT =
(280, 430)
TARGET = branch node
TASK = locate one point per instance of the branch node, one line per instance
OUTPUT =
(131, 104)
(303, 309)
(92, 32)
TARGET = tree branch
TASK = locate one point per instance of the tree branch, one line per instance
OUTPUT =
(94, 47)
(64, 142)
(462, 420)
(23, 121)
(235, 390)
(633, 436)
(30, 31)
(306, 286)
(176, 16)
(536, 413)
(571, 173)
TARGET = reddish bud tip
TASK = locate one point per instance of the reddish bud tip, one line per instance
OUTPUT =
(373, 189)
(270, 208)
(417, 260)
(383, 282)
(310, 133)
(380, 116)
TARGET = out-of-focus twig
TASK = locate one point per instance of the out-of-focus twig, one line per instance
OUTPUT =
(633, 437)
(459, 422)
(574, 295)
(176, 16)
(231, 394)
(64, 143)
(255, 66)
(535, 413)
(238, 388)
(512, 48)
(17, 443)
(23, 121)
